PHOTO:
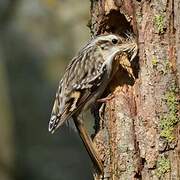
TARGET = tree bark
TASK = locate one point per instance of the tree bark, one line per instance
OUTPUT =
(139, 134)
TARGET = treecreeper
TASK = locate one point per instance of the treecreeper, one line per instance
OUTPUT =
(84, 81)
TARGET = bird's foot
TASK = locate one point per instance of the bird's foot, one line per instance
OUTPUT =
(106, 99)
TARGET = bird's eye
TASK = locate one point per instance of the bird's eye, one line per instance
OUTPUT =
(114, 41)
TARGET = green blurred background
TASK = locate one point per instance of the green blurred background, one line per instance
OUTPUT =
(37, 39)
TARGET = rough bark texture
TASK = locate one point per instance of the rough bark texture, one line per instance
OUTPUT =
(139, 133)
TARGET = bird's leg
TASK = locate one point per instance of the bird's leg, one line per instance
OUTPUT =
(88, 144)
(108, 98)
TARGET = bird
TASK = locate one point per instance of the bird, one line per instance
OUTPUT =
(84, 81)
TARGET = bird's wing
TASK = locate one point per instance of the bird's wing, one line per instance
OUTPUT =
(81, 80)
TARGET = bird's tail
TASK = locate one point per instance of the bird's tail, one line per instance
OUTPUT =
(89, 145)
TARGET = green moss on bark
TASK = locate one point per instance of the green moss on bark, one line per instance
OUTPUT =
(154, 62)
(163, 166)
(159, 23)
(170, 119)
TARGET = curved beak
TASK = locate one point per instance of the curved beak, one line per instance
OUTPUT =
(130, 48)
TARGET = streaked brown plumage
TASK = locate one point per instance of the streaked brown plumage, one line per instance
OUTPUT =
(84, 81)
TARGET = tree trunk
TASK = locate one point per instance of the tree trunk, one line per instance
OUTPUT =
(139, 135)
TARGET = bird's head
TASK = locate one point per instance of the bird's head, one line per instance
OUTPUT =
(112, 44)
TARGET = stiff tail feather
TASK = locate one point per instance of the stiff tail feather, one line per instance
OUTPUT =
(89, 146)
